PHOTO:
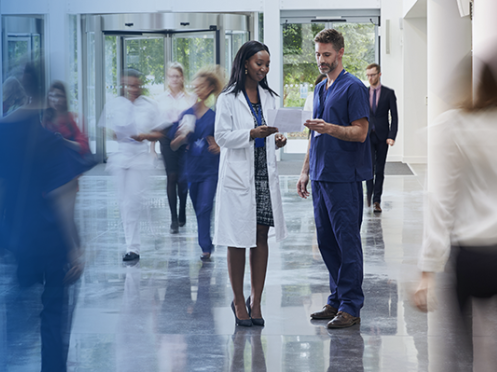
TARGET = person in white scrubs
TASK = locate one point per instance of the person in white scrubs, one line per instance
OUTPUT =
(131, 119)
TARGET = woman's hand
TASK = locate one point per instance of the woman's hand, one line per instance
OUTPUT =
(213, 146)
(280, 140)
(422, 298)
(262, 131)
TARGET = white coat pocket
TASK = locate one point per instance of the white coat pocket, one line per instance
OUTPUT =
(236, 176)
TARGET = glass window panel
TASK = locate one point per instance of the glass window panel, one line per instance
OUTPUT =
(147, 56)
(299, 62)
(359, 47)
(194, 51)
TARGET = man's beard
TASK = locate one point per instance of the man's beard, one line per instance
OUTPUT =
(332, 67)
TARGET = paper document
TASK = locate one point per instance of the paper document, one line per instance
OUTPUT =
(288, 120)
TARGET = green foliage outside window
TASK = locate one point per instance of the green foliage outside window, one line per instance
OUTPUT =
(299, 62)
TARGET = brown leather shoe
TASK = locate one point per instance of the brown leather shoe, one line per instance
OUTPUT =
(343, 320)
(376, 207)
(328, 312)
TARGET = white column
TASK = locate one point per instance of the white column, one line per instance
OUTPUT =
(272, 38)
(484, 31)
(449, 41)
(57, 36)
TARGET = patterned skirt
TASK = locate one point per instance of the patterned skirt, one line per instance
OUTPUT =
(262, 192)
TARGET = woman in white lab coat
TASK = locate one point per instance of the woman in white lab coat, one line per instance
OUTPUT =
(248, 201)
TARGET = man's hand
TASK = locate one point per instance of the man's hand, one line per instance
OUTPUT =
(280, 140)
(213, 146)
(302, 185)
(421, 297)
(262, 131)
(317, 125)
(390, 141)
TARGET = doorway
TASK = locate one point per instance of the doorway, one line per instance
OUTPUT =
(148, 43)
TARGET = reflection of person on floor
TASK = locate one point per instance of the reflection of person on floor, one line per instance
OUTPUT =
(131, 119)
(134, 343)
(462, 211)
(172, 103)
(36, 165)
(202, 154)
(258, 359)
(347, 352)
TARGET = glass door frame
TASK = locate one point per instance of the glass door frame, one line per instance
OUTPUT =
(94, 28)
(329, 18)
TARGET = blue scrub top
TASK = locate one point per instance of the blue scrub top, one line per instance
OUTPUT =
(200, 163)
(331, 159)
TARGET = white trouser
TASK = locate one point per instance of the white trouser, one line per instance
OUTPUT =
(132, 185)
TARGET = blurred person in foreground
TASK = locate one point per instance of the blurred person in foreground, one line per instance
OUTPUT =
(461, 207)
(171, 104)
(248, 201)
(36, 165)
(202, 154)
(131, 119)
(60, 121)
(14, 95)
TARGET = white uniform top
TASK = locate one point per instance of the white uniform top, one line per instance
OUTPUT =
(171, 107)
(462, 185)
(125, 119)
(236, 216)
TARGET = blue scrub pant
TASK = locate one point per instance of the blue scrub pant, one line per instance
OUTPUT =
(338, 216)
(202, 194)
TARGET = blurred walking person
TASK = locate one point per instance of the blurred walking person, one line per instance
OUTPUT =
(202, 154)
(13, 95)
(131, 119)
(59, 120)
(36, 166)
(172, 103)
(462, 214)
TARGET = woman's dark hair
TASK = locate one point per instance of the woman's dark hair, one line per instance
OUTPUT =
(50, 112)
(60, 86)
(237, 79)
(320, 78)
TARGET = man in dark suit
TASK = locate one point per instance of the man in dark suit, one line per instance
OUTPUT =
(383, 130)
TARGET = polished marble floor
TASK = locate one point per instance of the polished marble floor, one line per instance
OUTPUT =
(170, 312)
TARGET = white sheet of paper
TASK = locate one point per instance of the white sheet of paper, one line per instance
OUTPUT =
(288, 120)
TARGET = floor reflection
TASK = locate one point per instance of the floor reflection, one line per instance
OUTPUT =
(170, 312)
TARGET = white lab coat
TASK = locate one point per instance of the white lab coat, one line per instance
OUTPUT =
(236, 219)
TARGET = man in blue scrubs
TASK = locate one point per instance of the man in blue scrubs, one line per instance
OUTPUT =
(338, 160)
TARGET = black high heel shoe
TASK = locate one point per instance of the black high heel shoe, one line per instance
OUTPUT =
(240, 322)
(257, 322)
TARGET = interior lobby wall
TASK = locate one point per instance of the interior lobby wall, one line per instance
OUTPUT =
(415, 90)
(391, 65)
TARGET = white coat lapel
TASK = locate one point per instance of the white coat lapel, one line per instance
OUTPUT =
(241, 97)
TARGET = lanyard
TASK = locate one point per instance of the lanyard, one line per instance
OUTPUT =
(322, 99)
(259, 142)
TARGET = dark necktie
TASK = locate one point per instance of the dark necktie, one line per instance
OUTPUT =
(373, 109)
(373, 106)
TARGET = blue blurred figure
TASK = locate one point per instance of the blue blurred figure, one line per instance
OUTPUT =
(196, 129)
(35, 165)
